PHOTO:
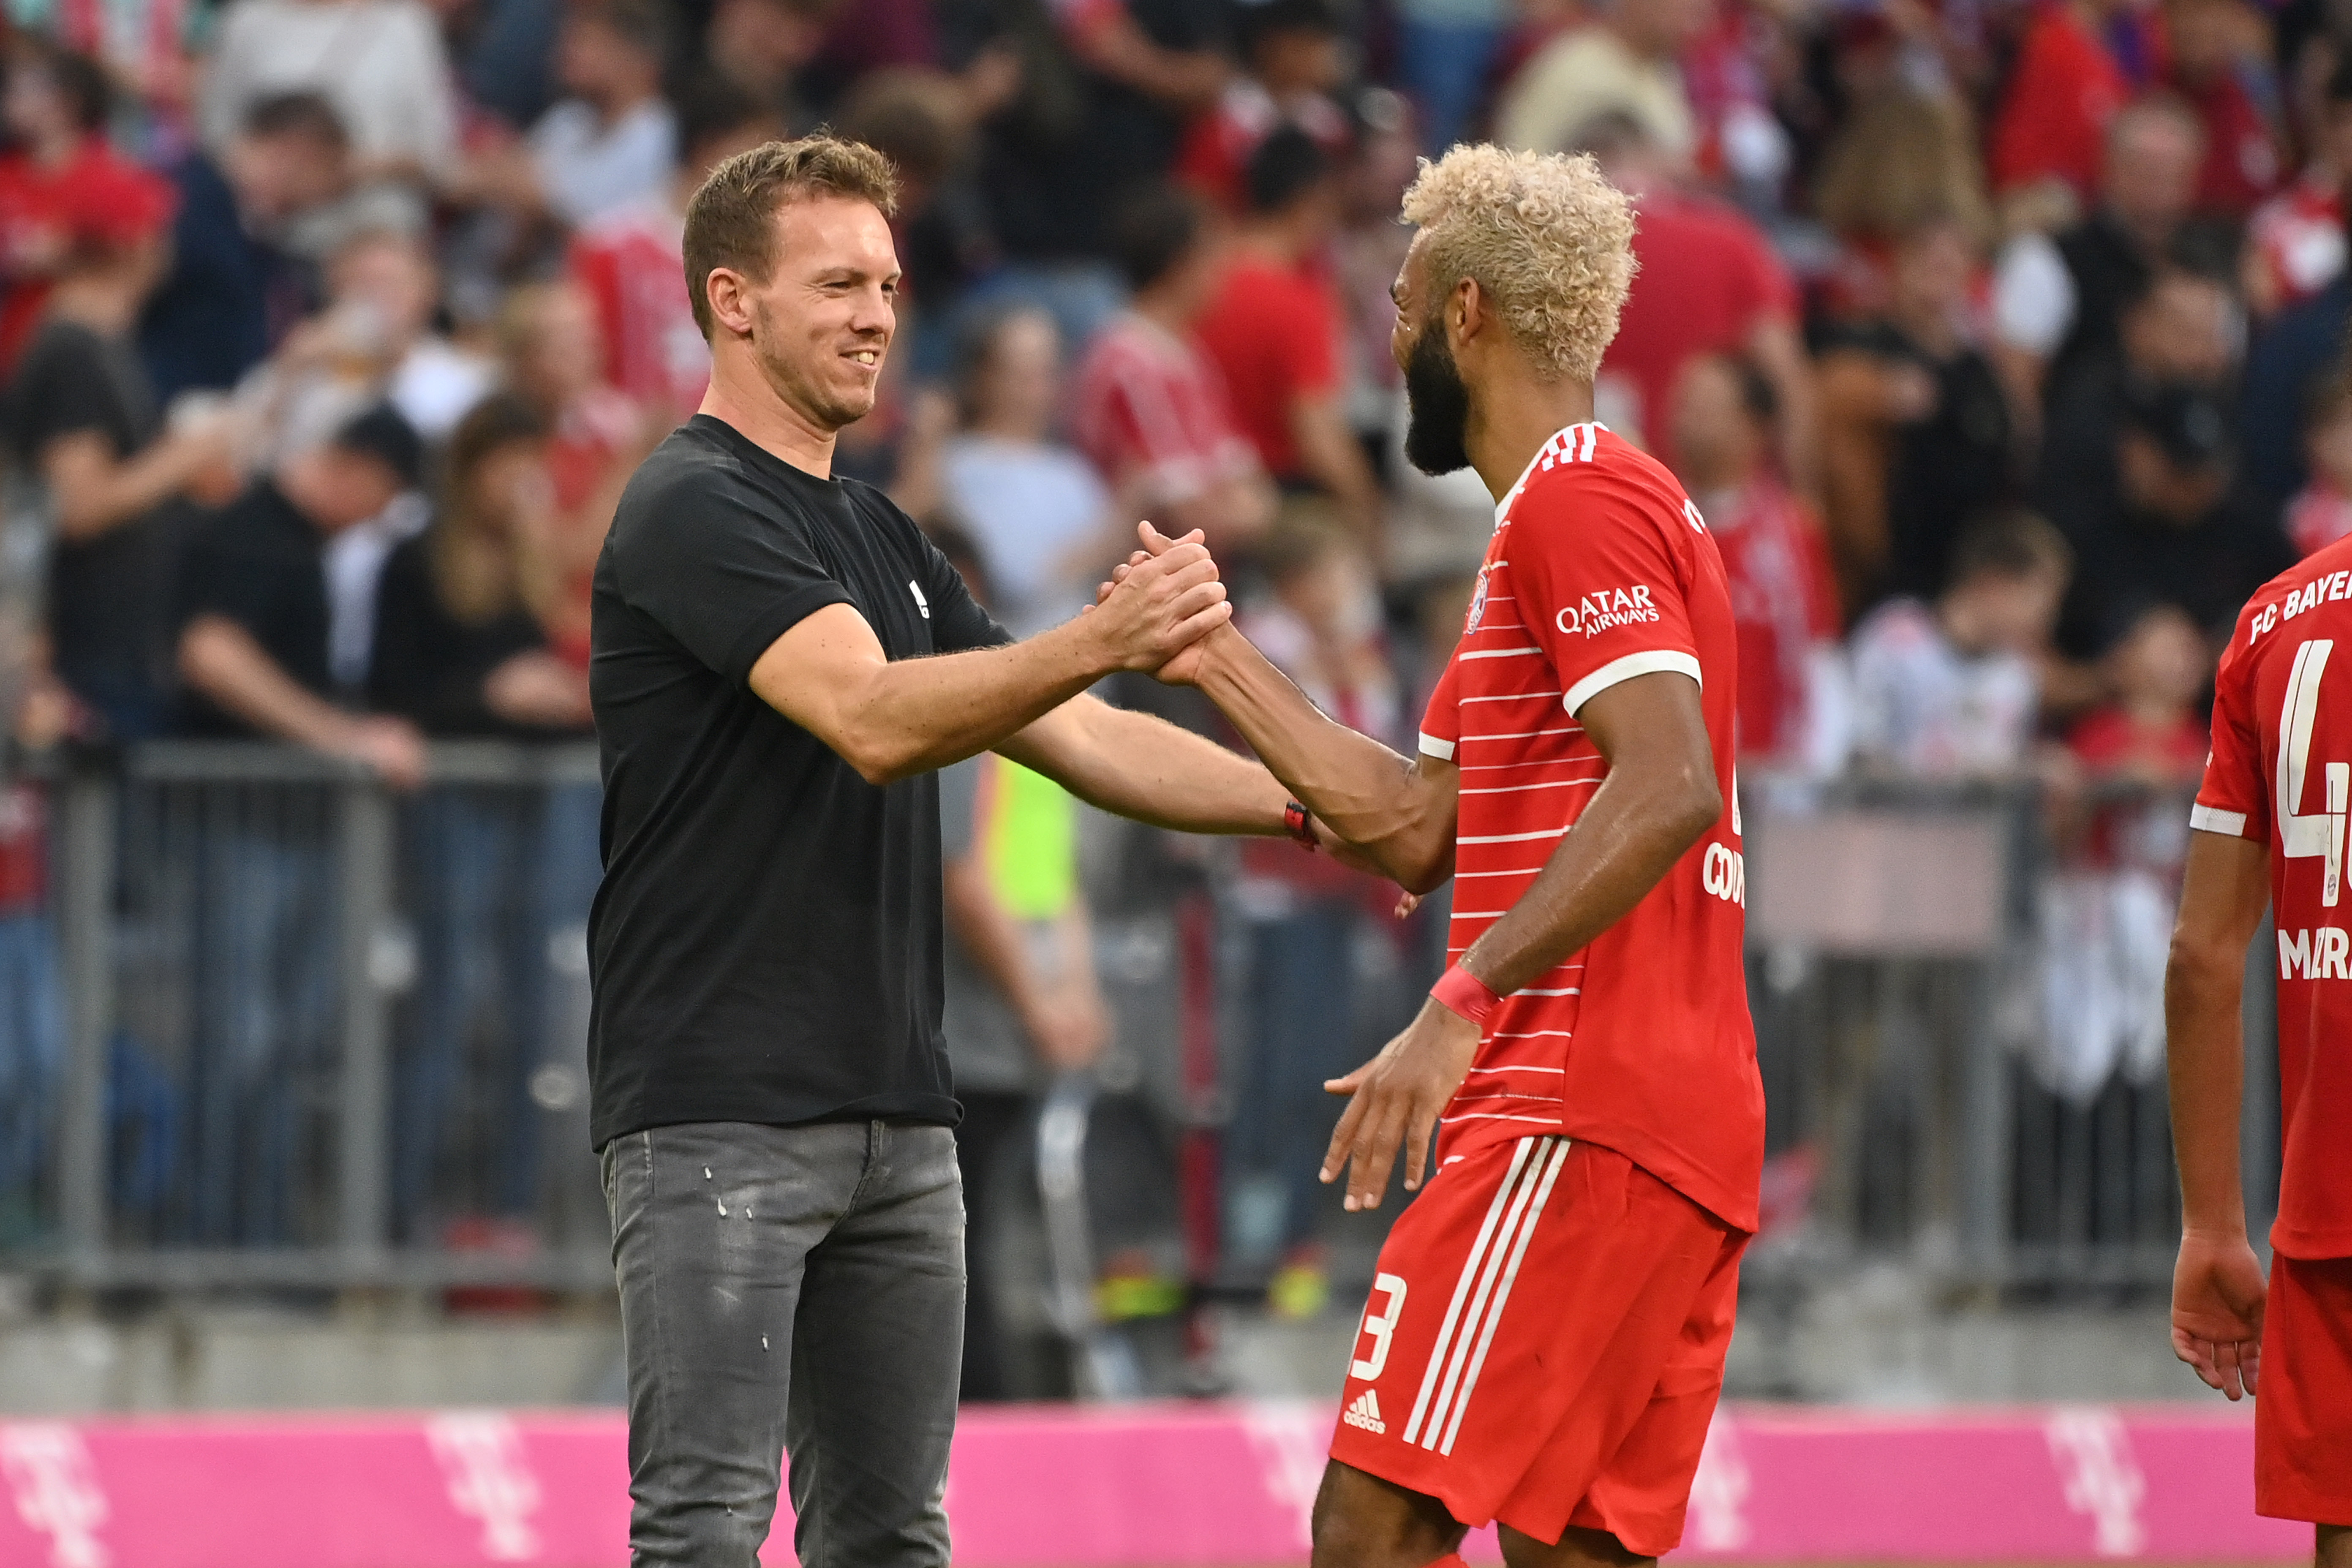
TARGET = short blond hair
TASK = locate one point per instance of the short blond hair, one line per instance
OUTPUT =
(730, 221)
(1545, 237)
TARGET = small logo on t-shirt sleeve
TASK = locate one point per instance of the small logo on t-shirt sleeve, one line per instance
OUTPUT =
(921, 603)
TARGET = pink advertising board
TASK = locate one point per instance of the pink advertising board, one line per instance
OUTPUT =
(1219, 1485)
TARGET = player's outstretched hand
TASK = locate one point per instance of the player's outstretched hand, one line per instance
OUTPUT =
(1396, 1097)
(1160, 603)
(1184, 668)
(2218, 1292)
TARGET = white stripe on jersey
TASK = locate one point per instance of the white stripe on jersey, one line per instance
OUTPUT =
(1648, 662)
(1499, 653)
(1514, 838)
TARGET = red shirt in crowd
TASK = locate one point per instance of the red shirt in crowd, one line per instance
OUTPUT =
(2109, 742)
(96, 193)
(2053, 121)
(1215, 153)
(2282, 743)
(1148, 410)
(2295, 241)
(632, 263)
(1274, 332)
(2317, 518)
(1709, 278)
(24, 848)
(1599, 571)
(2241, 157)
(1784, 602)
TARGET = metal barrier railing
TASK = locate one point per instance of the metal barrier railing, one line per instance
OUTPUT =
(310, 1022)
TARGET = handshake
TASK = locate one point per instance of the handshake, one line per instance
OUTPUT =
(1163, 608)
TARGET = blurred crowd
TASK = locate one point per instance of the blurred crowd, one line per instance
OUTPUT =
(2000, 341)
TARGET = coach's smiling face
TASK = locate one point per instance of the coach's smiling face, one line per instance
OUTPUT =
(821, 324)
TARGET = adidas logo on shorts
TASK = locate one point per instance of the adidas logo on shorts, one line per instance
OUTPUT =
(1366, 1413)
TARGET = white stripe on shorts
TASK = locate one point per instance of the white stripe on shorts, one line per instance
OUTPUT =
(1461, 1286)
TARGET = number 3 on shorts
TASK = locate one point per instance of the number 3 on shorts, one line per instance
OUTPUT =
(1382, 1328)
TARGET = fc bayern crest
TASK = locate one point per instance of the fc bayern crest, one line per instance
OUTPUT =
(1477, 604)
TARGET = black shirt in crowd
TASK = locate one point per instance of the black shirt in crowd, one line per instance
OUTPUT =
(110, 597)
(429, 666)
(766, 944)
(261, 564)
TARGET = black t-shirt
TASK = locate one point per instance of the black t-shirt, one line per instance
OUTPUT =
(261, 564)
(765, 946)
(429, 666)
(108, 596)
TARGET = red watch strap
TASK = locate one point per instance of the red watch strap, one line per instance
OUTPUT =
(1299, 825)
(1462, 992)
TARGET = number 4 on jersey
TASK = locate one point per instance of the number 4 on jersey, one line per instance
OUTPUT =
(2320, 834)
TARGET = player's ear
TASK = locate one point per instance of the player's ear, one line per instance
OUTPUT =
(727, 293)
(1468, 313)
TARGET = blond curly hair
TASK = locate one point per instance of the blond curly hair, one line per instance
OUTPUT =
(1546, 237)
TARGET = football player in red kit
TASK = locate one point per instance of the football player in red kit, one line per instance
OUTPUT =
(1545, 1339)
(2270, 832)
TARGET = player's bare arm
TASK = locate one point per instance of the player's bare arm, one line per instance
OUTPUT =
(1396, 814)
(2218, 1289)
(1660, 796)
(1139, 766)
(891, 719)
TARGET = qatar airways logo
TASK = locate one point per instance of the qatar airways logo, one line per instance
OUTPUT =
(1606, 610)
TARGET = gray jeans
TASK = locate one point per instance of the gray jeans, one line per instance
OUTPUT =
(789, 1288)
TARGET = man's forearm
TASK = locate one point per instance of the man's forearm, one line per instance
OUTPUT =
(1144, 768)
(220, 659)
(2205, 1063)
(1360, 789)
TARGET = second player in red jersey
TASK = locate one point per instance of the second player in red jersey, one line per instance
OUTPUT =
(2271, 818)
(1578, 1102)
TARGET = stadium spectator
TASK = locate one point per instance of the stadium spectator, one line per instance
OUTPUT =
(554, 359)
(1708, 283)
(1105, 89)
(2294, 244)
(613, 141)
(761, 46)
(1446, 53)
(2178, 328)
(1950, 690)
(2322, 513)
(82, 419)
(1303, 915)
(32, 999)
(2176, 531)
(922, 120)
(2056, 301)
(374, 340)
(2299, 349)
(629, 262)
(1905, 159)
(1916, 434)
(1036, 512)
(1147, 407)
(1022, 999)
(2052, 124)
(2151, 734)
(1294, 57)
(61, 178)
(1275, 331)
(459, 652)
(2213, 45)
(235, 289)
(380, 62)
(254, 648)
(1622, 63)
(1783, 590)
(257, 658)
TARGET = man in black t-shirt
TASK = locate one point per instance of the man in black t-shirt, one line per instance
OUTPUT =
(782, 660)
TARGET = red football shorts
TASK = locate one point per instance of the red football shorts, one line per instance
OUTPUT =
(1544, 1344)
(2302, 1410)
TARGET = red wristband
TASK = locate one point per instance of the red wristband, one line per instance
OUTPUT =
(1459, 991)
(1299, 826)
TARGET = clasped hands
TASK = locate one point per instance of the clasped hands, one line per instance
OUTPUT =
(1159, 606)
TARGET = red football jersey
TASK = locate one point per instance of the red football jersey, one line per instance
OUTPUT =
(631, 265)
(1601, 568)
(2281, 774)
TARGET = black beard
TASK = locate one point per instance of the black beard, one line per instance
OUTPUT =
(1437, 405)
